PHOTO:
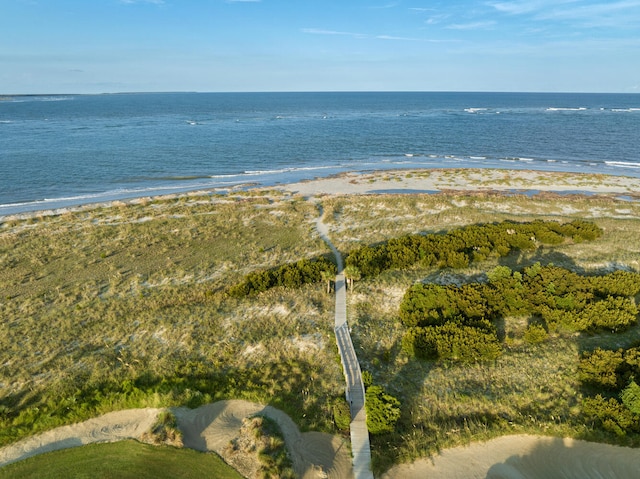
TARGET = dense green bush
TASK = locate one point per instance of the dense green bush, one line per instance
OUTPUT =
(383, 410)
(452, 341)
(535, 334)
(290, 275)
(611, 415)
(432, 304)
(610, 374)
(618, 283)
(457, 248)
(556, 298)
(341, 414)
(600, 368)
(631, 397)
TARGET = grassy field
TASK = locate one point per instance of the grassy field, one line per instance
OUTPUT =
(124, 307)
(120, 307)
(121, 460)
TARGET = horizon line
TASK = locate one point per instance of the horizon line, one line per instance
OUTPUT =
(11, 95)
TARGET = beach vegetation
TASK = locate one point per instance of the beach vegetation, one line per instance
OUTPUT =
(152, 324)
(352, 274)
(293, 275)
(341, 414)
(262, 437)
(383, 410)
(459, 247)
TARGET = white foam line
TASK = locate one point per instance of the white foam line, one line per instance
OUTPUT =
(623, 164)
(566, 109)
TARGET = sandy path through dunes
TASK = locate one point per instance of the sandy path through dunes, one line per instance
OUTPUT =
(111, 427)
(314, 454)
(207, 428)
(526, 457)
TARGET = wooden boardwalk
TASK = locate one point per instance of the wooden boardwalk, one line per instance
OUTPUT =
(360, 445)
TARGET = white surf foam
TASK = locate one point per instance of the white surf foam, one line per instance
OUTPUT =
(566, 109)
(623, 164)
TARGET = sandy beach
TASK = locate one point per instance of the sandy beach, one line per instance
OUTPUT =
(423, 181)
(475, 180)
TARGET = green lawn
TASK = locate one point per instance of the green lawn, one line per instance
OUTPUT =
(121, 460)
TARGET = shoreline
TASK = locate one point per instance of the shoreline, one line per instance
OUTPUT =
(400, 181)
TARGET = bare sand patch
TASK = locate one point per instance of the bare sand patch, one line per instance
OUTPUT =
(314, 455)
(111, 427)
(523, 456)
(429, 181)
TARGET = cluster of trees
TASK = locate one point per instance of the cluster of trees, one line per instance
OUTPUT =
(610, 379)
(458, 248)
(458, 322)
(290, 275)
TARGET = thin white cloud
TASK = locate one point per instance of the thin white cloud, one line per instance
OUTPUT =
(520, 8)
(436, 19)
(523, 7)
(319, 31)
(594, 11)
(579, 13)
(471, 26)
(405, 39)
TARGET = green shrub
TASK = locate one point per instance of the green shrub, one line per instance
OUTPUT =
(535, 334)
(367, 379)
(613, 314)
(457, 248)
(618, 283)
(610, 414)
(341, 414)
(291, 275)
(453, 342)
(600, 368)
(631, 397)
(383, 410)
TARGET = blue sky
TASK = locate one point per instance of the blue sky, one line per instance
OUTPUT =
(94, 46)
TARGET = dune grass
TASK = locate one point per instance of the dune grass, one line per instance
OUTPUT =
(530, 388)
(119, 307)
(124, 307)
(121, 460)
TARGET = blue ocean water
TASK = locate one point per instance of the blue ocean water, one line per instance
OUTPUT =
(72, 149)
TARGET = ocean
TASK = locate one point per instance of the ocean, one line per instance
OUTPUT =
(62, 150)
